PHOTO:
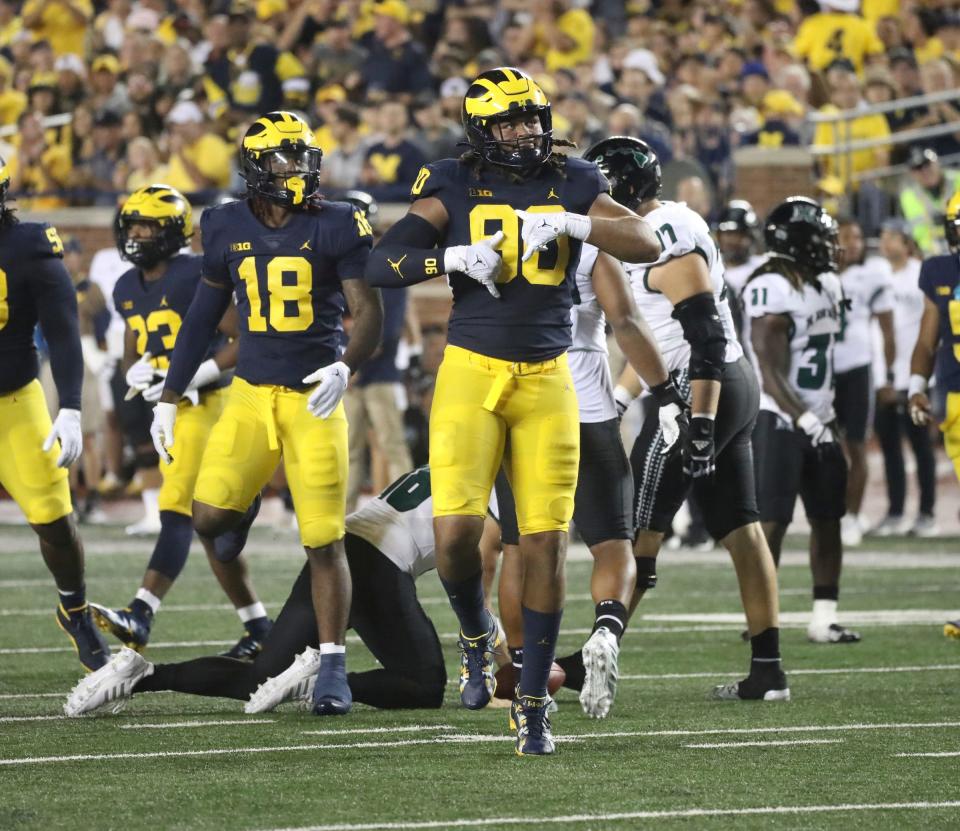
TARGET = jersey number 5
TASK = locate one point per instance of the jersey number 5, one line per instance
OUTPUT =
(547, 268)
(291, 303)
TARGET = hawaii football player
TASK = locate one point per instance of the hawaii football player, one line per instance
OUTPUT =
(36, 288)
(152, 227)
(939, 343)
(292, 258)
(683, 297)
(794, 307)
(510, 217)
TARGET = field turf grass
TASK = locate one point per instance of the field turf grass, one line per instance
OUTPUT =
(666, 757)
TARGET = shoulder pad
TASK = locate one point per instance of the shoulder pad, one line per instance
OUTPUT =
(433, 178)
(38, 240)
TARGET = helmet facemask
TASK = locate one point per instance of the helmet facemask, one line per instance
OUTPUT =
(167, 239)
(522, 153)
(287, 175)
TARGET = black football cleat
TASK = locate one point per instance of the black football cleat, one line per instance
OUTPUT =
(248, 647)
(125, 626)
(91, 648)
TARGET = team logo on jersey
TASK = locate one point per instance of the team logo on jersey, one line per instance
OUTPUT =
(552, 194)
(163, 302)
(241, 246)
(480, 192)
(306, 246)
(127, 304)
(396, 265)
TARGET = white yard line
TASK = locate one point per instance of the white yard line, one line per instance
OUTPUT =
(17, 719)
(866, 617)
(945, 754)
(411, 728)
(171, 724)
(776, 743)
(687, 813)
(838, 671)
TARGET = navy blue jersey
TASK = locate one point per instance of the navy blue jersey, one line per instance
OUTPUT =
(155, 309)
(36, 288)
(940, 281)
(531, 320)
(288, 284)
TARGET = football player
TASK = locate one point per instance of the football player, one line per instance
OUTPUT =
(868, 286)
(292, 258)
(35, 287)
(737, 240)
(939, 343)
(152, 227)
(389, 544)
(795, 309)
(684, 299)
(510, 217)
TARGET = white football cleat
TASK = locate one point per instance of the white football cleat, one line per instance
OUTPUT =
(294, 683)
(600, 654)
(851, 532)
(110, 686)
(820, 632)
(149, 526)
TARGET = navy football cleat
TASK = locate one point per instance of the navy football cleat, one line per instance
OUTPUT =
(477, 681)
(125, 626)
(530, 720)
(89, 643)
(248, 647)
(228, 545)
(331, 692)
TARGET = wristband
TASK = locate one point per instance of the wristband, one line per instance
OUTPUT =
(917, 385)
(578, 226)
(808, 422)
(623, 396)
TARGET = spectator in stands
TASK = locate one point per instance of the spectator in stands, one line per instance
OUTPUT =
(61, 22)
(336, 58)
(108, 93)
(40, 169)
(71, 81)
(343, 165)
(583, 127)
(395, 65)
(837, 33)
(301, 22)
(754, 83)
(937, 76)
(392, 163)
(920, 30)
(177, 72)
(435, 135)
(11, 23)
(200, 161)
(142, 166)
(142, 91)
(110, 25)
(108, 152)
(42, 96)
(81, 153)
(780, 112)
(559, 34)
(923, 196)
(12, 101)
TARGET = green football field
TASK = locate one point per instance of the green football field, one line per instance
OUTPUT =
(870, 740)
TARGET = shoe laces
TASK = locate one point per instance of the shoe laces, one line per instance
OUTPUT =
(534, 719)
(475, 653)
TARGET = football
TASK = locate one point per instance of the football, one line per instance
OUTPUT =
(507, 682)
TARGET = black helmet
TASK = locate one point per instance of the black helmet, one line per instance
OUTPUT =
(801, 231)
(498, 95)
(631, 166)
(738, 217)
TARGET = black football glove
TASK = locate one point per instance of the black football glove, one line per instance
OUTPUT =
(699, 450)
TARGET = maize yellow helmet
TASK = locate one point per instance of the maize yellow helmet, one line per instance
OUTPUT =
(499, 95)
(4, 182)
(951, 222)
(168, 210)
(280, 159)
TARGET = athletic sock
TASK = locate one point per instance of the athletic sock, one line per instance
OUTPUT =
(516, 657)
(611, 614)
(141, 609)
(466, 599)
(73, 600)
(151, 502)
(766, 651)
(255, 620)
(576, 673)
(173, 544)
(826, 593)
(540, 632)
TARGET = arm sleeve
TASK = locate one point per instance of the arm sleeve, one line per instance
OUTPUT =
(406, 254)
(205, 312)
(57, 305)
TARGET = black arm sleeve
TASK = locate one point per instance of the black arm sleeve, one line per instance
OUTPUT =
(405, 255)
(703, 330)
(204, 315)
(56, 301)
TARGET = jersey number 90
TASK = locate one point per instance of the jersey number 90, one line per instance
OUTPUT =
(546, 268)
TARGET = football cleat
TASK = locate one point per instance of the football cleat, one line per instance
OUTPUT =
(833, 633)
(477, 681)
(530, 720)
(851, 532)
(766, 687)
(952, 629)
(295, 683)
(110, 686)
(331, 692)
(87, 641)
(889, 526)
(125, 626)
(924, 526)
(230, 544)
(149, 526)
(600, 655)
(247, 648)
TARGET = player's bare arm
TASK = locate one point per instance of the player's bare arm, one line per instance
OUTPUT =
(921, 362)
(770, 338)
(620, 232)
(366, 308)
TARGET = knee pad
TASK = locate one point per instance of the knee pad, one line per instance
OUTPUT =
(646, 572)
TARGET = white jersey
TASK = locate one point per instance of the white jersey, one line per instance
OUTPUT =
(106, 267)
(867, 288)
(588, 354)
(815, 316)
(399, 523)
(907, 312)
(736, 276)
(680, 231)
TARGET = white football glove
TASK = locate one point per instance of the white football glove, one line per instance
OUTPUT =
(480, 261)
(152, 393)
(161, 430)
(141, 373)
(66, 427)
(332, 385)
(540, 229)
(672, 419)
(818, 432)
(207, 373)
